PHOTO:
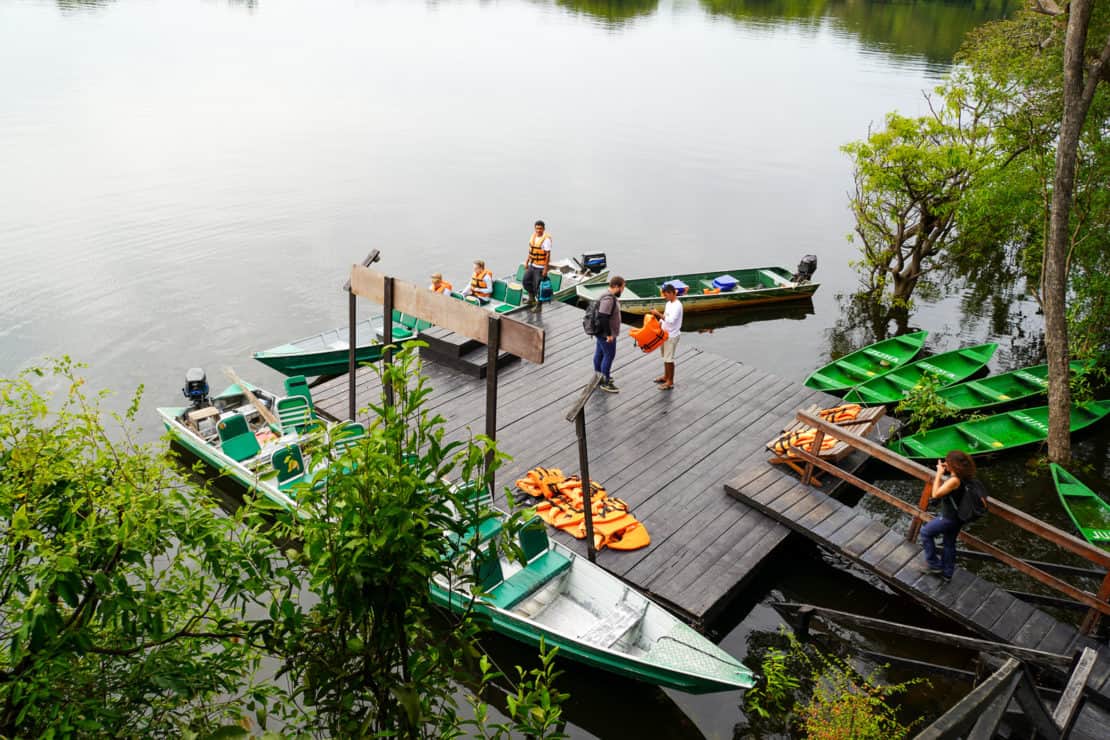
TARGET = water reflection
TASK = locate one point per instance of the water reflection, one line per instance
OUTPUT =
(707, 322)
(933, 30)
(612, 13)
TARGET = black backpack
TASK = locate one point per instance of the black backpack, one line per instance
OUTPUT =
(592, 321)
(973, 503)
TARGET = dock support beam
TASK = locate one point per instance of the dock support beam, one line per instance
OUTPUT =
(352, 334)
(493, 347)
(387, 338)
(578, 416)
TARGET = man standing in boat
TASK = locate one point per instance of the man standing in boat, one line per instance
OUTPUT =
(671, 319)
(609, 315)
(537, 264)
(481, 283)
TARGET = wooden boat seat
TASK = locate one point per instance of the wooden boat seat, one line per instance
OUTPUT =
(536, 573)
(873, 396)
(880, 356)
(1031, 424)
(610, 629)
(862, 425)
(918, 447)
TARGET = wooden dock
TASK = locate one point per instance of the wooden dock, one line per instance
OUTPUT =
(971, 601)
(668, 454)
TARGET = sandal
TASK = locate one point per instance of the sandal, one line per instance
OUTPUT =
(666, 387)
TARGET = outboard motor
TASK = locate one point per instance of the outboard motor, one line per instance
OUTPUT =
(806, 268)
(594, 262)
(196, 388)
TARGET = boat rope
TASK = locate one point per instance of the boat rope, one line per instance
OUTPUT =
(717, 658)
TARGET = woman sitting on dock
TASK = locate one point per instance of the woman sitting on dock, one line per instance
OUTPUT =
(960, 469)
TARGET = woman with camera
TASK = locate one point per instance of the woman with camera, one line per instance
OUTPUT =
(960, 469)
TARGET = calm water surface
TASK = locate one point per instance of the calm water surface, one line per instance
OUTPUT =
(186, 182)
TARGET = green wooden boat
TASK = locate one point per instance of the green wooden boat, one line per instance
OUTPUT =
(947, 368)
(753, 286)
(994, 433)
(1088, 510)
(229, 433)
(557, 596)
(327, 353)
(590, 615)
(995, 390)
(869, 362)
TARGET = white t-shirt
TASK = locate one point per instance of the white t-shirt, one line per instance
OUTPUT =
(672, 318)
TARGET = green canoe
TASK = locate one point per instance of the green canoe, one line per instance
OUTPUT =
(994, 390)
(593, 617)
(327, 353)
(1089, 512)
(869, 362)
(994, 433)
(947, 368)
(752, 286)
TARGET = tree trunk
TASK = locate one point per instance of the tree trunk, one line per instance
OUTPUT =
(1056, 249)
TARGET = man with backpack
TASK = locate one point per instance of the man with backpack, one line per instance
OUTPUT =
(603, 321)
(962, 502)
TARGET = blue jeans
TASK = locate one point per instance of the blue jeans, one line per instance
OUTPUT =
(947, 560)
(604, 353)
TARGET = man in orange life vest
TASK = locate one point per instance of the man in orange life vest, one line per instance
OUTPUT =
(481, 282)
(537, 264)
(439, 285)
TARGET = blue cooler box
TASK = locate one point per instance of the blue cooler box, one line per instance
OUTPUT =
(725, 282)
(679, 286)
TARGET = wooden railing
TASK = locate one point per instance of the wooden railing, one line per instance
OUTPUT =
(1099, 604)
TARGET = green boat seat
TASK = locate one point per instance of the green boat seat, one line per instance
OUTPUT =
(397, 316)
(520, 273)
(979, 389)
(421, 325)
(289, 464)
(533, 539)
(487, 569)
(347, 435)
(918, 447)
(503, 308)
(556, 279)
(1037, 427)
(1031, 379)
(499, 288)
(514, 294)
(979, 437)
(297, 385)
(525, 582)
(236, 439)
(882, 357)
(870, 396)
(483, 532)
(294, 413)
(407, 321)
(940, 372)
(458, 296)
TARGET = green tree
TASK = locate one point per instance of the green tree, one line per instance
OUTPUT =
(370, 655)
(123, 599)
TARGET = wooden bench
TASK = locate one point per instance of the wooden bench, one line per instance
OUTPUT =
(861, 425)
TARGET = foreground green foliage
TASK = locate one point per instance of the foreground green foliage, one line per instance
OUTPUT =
(123, 601)
(810, 693)
(924, 406)
(131, 607)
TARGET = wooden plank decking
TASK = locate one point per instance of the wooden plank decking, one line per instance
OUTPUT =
(668, 454)
(974, 602)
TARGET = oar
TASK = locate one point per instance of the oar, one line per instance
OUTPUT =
(266, 413)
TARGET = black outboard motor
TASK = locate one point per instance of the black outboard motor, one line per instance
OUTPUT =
(196, 388)
(594, 262)
(806, 268)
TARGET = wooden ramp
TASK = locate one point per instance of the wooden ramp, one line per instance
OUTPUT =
(972, 601)
(668, 454)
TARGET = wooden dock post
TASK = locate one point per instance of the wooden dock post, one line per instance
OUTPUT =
(387, 336)
(493, 346)
(352, 332)
(577, 414)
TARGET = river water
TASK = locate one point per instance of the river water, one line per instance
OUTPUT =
(186, 182)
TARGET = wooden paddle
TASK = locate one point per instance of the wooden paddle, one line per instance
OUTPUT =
(266, 413)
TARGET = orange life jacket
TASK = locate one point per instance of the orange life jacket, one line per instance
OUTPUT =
(801, 438)
(477, 283)
(841, 414)
(650, 336)
(441, 286)
(536, 253)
